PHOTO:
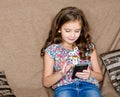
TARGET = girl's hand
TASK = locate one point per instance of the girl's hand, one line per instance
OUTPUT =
(65, 68)
(85, 74)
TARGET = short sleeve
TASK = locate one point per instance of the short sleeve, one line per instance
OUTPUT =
(51, 50)
(92, 46)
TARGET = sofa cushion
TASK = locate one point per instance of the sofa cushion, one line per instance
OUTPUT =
(5, 90)
(111, 61)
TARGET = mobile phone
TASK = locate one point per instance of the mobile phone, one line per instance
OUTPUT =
(78, 68)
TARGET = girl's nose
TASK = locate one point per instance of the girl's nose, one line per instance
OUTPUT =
(73, 34)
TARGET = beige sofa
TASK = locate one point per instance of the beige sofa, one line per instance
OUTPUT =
(24, 26)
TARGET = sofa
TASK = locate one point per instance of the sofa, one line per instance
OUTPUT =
(24, 26)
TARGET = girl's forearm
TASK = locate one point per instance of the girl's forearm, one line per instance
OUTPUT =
(96, 75)
(52, 79)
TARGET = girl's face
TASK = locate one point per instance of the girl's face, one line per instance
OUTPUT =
(70, 32)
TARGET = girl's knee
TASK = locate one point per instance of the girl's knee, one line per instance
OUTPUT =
(91, 93)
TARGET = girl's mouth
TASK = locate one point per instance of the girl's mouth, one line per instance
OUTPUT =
(71, 39)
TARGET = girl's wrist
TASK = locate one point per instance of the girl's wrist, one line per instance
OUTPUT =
(61, 73)
(91, 74)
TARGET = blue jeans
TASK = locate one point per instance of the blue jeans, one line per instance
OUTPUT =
(78, 89)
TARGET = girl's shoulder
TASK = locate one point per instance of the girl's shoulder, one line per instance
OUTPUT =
(53, 46)
(52, 50)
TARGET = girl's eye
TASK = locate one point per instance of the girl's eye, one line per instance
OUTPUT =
(77, 31)
(67, 30)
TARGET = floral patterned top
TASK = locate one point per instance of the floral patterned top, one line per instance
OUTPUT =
(57, 52)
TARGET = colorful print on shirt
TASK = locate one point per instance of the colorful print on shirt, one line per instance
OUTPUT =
(60, 54)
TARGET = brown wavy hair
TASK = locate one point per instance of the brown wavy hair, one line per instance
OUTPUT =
(65, 15)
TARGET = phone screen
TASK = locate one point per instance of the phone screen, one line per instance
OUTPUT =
(78, 68)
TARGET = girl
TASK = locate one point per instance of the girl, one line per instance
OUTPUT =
(68, 45)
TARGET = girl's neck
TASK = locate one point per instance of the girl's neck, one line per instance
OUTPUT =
(68, 46)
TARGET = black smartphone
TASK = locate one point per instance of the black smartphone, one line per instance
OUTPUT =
(78, 68)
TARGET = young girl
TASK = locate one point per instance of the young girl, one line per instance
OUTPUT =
(68, 45)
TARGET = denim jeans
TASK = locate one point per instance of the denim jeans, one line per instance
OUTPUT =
(78, 89)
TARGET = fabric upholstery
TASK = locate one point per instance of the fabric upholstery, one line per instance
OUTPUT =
(5, 90)
(111, 61)
(24, 26)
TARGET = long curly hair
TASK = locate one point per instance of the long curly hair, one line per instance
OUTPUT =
(65, 15)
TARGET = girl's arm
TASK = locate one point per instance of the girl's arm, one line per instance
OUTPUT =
(50, 78)
(96, 71)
